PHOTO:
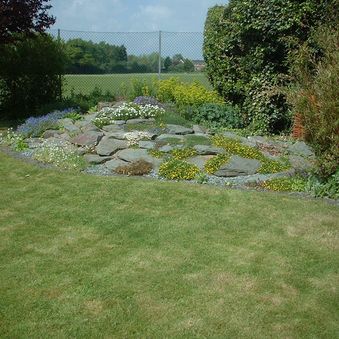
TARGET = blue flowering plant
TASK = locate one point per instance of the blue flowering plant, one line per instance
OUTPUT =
(147, 100)
(35, 126)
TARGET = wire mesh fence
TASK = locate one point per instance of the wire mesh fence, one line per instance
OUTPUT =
(111, 60)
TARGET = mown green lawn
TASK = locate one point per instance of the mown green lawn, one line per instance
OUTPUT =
(115, 83)
(108, 257)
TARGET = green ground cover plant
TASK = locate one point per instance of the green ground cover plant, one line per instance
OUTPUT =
(235, 147)
(87, 256)
(177, 169)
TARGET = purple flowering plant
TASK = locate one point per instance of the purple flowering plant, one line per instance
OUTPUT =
(35, 126)
(147, 100)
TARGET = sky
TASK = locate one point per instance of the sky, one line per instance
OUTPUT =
(83, 18)
(131, 15)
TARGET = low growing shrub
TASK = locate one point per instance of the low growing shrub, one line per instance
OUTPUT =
(35, 126)
(235, 147)
(213, 164)
(320, 187)
(62, 156)
(183, 153)
(127, 111)
(215, 115)
(292, 184)
(178, 170)
(14, 140)
(140, 167)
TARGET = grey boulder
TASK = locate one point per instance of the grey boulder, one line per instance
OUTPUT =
(178, 129)
(90, 139)
(95, 159)
(208, 150)
(108, 145)
(133, 155)
(238, 166)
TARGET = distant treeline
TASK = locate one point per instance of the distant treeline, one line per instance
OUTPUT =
(87, 57)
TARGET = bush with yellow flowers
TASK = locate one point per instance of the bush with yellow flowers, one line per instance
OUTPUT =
(183, 153)
(174, 169)
(292, 184)
(235, 147)
(213, 164)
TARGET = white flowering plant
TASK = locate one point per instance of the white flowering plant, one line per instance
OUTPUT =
(126, 111)
(59, 154)
(134, 137)
(13, 139)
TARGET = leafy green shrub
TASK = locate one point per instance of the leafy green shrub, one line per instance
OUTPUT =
(320, 187)
(246, 47)
(216, 115)
(182, 94)
(213, 164)
(140, 167)
(86, 101)
(194, 94)
(13, 139)
(183, 153)
(292, 184)
(178, 170)
(165, 89)
(29, 75)
(74, 116)
(316, 96)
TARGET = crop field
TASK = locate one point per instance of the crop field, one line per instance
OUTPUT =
(120, 83)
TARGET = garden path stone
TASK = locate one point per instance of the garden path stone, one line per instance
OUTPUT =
(147, 144)
(133, 155)
(115, 163)
(90, 139)
(300, 148)
(178, 129)
(238, 166)
(95, 159)
(108, 145)
(208, 150)
(199, 160)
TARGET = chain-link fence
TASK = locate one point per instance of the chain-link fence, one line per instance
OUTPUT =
(111, 60)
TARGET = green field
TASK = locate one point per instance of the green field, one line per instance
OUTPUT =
(84, 83)
(109, 257)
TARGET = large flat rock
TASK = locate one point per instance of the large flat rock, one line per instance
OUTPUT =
(133, 155)
(95, 159)
(115, 163)
(89, 138)
(238, 166)
(208, 150)
(178, 129)
(199, 160)
(108, 145)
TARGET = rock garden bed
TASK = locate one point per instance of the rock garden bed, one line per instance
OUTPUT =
(130, 139)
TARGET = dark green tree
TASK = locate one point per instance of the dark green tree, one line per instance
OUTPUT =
(246, 49)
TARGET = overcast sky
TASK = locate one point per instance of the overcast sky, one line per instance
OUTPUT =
(131, 15)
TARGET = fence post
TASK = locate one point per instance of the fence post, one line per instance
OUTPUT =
(60, 75)
(159, 63)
